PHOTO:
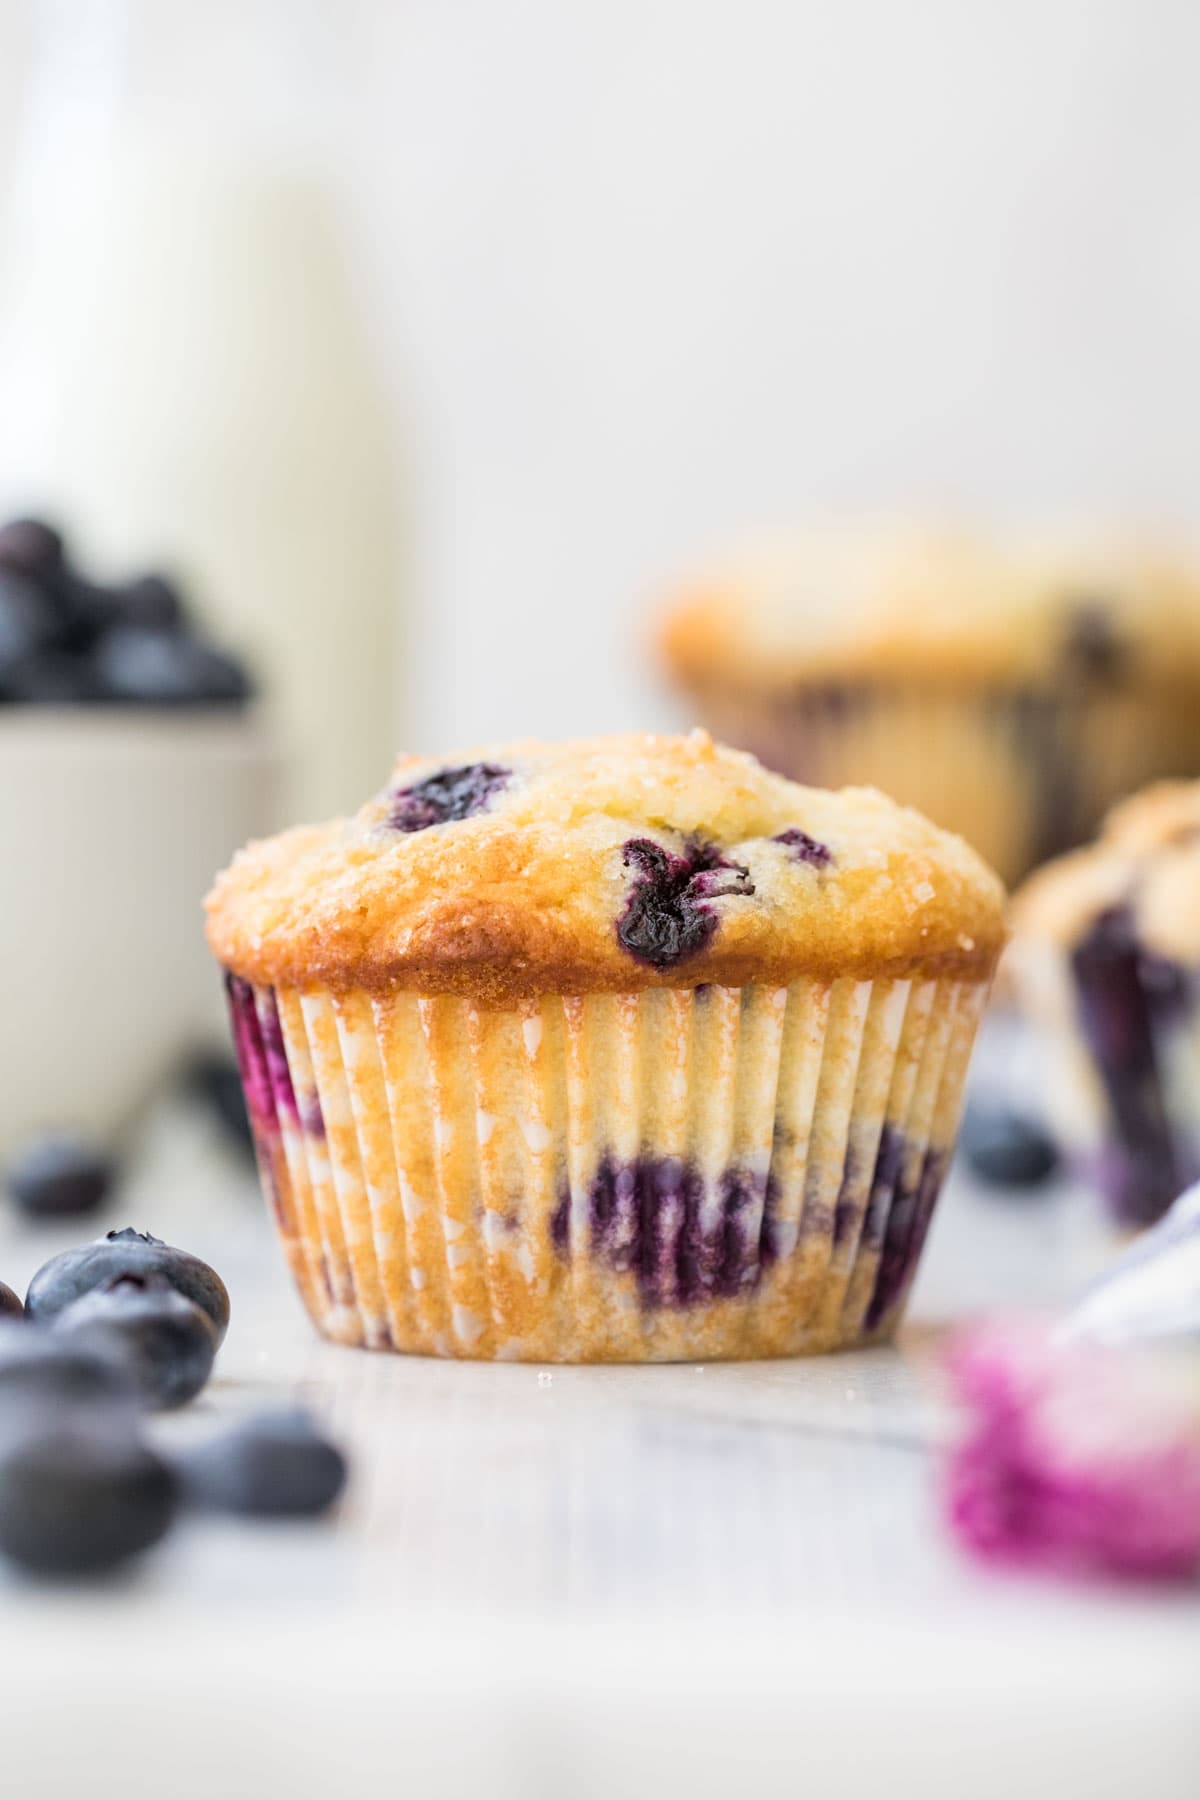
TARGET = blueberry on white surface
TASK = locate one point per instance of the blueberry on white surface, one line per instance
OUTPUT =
(59, 1176)
(72, 1273)
(80, 1494)
(1007, 1148)
(170, 1342)
(42, 1369)
(10, 1303)
(277, 1465)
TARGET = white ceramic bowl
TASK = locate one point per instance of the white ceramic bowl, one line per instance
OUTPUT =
(112, 825)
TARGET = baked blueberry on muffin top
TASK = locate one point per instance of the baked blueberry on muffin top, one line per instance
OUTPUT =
(622, 1049)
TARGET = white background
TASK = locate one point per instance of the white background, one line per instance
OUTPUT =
(646, 271)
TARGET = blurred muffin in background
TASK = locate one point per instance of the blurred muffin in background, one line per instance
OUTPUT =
(1010, 689)
(1106, 959)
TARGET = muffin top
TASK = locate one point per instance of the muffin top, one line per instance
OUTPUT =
(608, 864)
(1144, 865)
(952, 606)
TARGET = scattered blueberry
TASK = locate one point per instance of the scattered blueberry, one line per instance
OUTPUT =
(80, 1495)
(31, 547)
(148, 666)
(66, 1277)
(216, 1081)
(804, 848)
(39, 1368)
(448, 796)
(1006, 1148)
(59, 1177)
(10, 1303)
(666, 918)
(171, 1342)
(277, 1464)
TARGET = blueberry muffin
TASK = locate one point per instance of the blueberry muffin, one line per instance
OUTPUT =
(1106, 958)
(1013, 690)
(617, 1050)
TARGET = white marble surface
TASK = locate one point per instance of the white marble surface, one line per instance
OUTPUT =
(572, 1581)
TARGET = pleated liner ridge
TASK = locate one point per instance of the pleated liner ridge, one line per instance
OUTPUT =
(657, 1176)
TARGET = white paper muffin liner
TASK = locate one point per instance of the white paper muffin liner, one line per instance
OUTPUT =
(1020, 775)
(654, 1176)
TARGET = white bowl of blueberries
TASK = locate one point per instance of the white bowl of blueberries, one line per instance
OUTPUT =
(133, 761)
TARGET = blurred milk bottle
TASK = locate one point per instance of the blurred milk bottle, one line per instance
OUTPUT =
(187, 380)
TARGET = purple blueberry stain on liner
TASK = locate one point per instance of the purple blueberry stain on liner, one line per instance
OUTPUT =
(252, 1059)
(1128, 1001)
(804, 848)
(667, 916)
(908, 1218)
(645, 1219)
(447, 797)
(560, 1225)
(275, 1052)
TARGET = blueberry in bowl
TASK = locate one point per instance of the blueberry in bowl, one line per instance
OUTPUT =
(126, 1255)
(159, 665)
(31, 547)
(68, 639)
(153, 602)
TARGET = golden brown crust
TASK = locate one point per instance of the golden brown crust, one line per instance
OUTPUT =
(1147, 859)
(936, 607)
(526, 897)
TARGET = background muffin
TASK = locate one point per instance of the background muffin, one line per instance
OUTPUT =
(1011, 690)
(624, 1049)
(1107, 959)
